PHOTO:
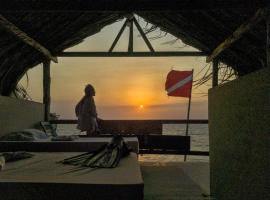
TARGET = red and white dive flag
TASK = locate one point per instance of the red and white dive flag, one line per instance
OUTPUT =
(179, 83)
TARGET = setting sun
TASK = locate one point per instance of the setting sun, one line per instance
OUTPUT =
(141, 106)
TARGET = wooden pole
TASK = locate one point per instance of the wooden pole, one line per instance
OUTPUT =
(130, 43)
(118, 36)
(268, 40)
(46, 89)
(215, 73)
(134, 54)
(147, 42)
(188, 114)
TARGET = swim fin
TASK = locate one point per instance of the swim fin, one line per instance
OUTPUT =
(108, 156)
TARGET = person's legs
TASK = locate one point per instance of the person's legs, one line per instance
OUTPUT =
(94, 131)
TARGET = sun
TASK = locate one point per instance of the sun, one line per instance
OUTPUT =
(141, 106)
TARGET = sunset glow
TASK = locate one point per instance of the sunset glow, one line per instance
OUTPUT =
(126, 88)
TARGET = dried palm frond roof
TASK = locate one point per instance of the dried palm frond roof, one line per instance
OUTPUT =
(60, 24)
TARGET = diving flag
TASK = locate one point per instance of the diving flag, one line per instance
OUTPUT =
(179, 83)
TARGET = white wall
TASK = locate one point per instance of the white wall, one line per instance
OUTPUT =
(19, 114)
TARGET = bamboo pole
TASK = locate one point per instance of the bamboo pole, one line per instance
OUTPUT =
(118, 36)
(130, 42)
(46, 89)
(215, 73)
(134, 54)
(188, 113)
(147, 42)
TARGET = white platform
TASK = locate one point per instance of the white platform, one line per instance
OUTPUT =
(41, 177)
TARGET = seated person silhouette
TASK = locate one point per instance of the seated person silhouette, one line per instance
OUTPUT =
(86, 112)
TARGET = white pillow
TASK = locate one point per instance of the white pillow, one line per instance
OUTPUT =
(25, 135)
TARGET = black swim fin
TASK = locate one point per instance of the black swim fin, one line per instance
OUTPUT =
(107, 156)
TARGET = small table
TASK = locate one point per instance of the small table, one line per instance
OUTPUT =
(41, 177)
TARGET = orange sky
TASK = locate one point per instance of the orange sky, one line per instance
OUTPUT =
(122, 84)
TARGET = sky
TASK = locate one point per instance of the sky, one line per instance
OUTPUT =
(126, 88)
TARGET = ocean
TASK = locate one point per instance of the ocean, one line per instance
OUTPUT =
(199, 141)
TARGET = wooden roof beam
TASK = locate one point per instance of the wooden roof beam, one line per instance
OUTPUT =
(238, 33)
(147, 42)
(133, 54)
(130, 41)
(118, 35)
(124, 5)
(10, 27)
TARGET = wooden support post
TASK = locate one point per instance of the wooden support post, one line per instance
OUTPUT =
(10, 27)
(118, 36)
(46, 89)
(188, 113)
(268, 40)
(238, 33)
(143, 35)
(130, 43)
(215, 73)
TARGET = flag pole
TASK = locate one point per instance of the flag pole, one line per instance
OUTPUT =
(188, 113)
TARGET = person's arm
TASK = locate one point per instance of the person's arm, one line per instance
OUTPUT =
(77, 109)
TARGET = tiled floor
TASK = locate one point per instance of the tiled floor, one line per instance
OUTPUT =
(176, 181)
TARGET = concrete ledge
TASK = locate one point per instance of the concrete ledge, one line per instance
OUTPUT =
(239, 133)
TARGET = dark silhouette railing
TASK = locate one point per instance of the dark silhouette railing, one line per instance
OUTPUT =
(149, 133)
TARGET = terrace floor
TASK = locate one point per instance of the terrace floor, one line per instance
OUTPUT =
(176, 180)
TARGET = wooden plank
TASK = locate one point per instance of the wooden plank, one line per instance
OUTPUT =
(46, 89)
(164, 142)
(133, 54)
(174, 152)
(238, 33)
(10, 27)
(215, 73)
(125, 5)
(198, 153)
(165, 121)
(82, 144)
(130, 127)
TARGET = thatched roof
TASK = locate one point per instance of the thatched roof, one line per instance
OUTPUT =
(61, 25)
